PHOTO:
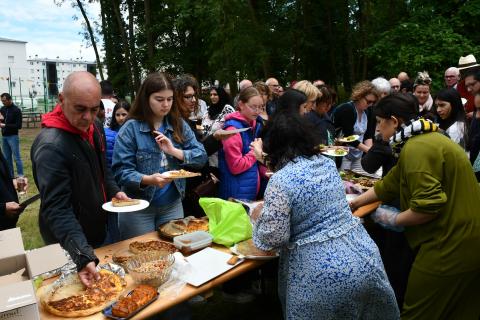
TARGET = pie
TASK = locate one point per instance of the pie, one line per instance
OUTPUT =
(247, 248)
(152, 245)
(179, 174)
(187, 225)
(136, 299)
(124, 202)
(72, 299)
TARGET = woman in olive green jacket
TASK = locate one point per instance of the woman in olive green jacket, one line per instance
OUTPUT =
(439, 198)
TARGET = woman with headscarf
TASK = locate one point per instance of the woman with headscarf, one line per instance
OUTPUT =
(451, 115)
(439, 211)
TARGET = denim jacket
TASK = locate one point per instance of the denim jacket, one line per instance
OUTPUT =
(136, 154)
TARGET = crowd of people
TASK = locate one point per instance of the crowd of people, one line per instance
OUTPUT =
(417, 260)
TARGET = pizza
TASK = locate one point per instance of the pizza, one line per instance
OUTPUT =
(152, 245)
(124, 202)
(72, 299)
(135, 300)
(247, 248)
(187, 225)
(180, 174)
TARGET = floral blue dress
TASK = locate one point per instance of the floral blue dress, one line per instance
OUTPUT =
(329, 267)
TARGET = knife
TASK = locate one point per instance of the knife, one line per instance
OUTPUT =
(29, 201)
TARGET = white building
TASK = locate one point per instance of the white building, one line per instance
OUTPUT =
(14, 70)
(49, 74)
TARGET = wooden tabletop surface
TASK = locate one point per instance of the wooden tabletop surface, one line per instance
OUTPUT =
(163, 302)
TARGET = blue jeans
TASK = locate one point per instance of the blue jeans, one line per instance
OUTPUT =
(11, 144)
(132, 224)
(113, 233)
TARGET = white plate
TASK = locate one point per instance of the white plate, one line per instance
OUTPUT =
(331, 152)
(190, 175)
(344, 140)
(234, 250)
(221, 131)
(142, 205)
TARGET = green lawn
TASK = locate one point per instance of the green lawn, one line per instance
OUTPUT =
(28, 221)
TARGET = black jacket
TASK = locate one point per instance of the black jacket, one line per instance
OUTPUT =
(13, 120)
(344, 118)
(74, 183)
(379, 155)
(7, 194)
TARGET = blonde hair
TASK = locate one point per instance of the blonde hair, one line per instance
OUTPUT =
(363, 89)
(309, 89)
(247, 93)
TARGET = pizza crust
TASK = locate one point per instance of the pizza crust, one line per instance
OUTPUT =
(87, 301)
(124, 203)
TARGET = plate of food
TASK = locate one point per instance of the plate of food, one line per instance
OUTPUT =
(70, 298)
(131, 304)
(183, 226)
(180, 174)
(246, 249)
(137, 247)
(130, 205)
(349, 138)
(335, 151)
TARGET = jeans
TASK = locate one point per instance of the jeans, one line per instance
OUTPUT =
(11, 144)
(132, 224)
(113, 233)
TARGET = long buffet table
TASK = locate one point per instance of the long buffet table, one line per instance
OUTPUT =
(164, 303)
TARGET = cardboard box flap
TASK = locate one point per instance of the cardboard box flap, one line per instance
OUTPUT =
(16, 295)
(19, 276)
(45, 259)
(12, 264)
(11, 243)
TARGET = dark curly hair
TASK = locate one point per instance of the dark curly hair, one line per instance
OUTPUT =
(287, 136)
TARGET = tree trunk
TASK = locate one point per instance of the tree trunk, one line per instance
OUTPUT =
(92, 39)
(116, 10)
(331, 46)
(150, 44)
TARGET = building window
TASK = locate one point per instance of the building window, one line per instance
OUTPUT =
(11, 59)
(31, 63)
(43, 63)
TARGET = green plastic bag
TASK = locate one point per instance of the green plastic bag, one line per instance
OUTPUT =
(228, 221)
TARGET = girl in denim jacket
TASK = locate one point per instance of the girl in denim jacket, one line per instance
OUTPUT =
(154, 140)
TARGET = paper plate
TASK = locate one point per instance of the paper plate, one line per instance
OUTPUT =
(142, 205)
(235, 251)
(331, 152)
(172, 174)
(221, 131)
(349, 138)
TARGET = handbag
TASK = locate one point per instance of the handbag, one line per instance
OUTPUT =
(208, 188)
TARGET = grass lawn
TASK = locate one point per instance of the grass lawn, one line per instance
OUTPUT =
(28, 221)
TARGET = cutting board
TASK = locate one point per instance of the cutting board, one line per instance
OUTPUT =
(206, 265)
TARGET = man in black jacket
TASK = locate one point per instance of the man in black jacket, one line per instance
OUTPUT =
(11, 123)
(9, 207)
(68, 162)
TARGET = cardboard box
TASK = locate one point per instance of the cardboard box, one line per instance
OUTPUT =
(17, 269)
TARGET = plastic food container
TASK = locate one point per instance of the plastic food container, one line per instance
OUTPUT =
(193, 241)
(152, 268)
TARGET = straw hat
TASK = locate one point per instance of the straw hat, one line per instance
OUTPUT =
(467, 62)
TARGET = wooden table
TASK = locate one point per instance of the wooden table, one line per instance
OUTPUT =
(164, 303)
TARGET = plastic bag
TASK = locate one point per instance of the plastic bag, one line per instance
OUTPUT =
(228, 221)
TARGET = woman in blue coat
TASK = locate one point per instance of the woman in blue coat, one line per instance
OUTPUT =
(119, 116)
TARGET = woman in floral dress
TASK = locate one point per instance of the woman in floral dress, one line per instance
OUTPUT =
(329, 267)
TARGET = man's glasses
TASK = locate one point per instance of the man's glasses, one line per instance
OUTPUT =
(189, 97)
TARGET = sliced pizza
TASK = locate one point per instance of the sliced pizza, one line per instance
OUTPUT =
(152, 245)
(74, 300)
(181, 174)
(124, 202)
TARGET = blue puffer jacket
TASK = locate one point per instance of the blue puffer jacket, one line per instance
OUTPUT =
(110, 136)
(245, 184)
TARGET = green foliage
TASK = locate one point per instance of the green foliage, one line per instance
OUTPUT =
(341, 42)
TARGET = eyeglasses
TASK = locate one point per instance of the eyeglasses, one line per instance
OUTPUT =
(274, 85)
(369, 102)
(447, 77)
(189, 97)
(254, 108)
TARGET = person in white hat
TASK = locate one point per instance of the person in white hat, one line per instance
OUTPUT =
(467, 65)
